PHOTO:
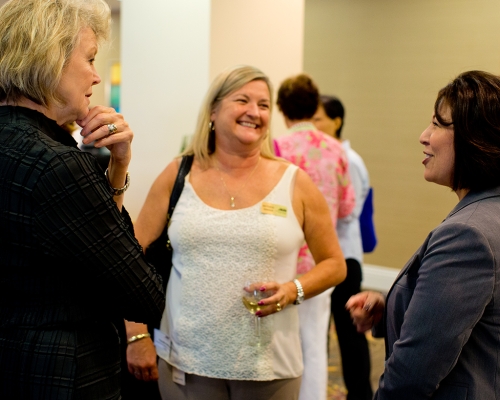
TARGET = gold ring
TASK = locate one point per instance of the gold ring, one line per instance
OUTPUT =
(112, 129)
(278, 307)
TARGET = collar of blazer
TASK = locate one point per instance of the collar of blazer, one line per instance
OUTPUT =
(470, 198)
(473, 197)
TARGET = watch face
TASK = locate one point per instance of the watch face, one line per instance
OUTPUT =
(299, 299)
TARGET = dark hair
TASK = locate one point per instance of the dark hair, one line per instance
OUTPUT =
(474, 101)
(333, 109)
(298, 97)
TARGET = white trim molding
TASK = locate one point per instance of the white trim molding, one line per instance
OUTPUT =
(376, 277)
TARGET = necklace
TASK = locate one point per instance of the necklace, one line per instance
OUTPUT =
(232, 197)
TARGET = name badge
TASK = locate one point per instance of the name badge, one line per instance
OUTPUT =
(178, 376)
(162, 344)
(273, 209)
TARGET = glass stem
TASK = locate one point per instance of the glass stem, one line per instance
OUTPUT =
(257, 328)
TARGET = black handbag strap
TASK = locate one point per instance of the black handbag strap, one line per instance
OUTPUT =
(184, 168)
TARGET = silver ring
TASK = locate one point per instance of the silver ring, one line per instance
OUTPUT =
(278, 307)
(112, 129)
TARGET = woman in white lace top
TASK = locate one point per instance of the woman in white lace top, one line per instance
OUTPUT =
(242, 212)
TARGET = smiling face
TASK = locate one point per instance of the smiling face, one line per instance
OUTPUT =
(78, 77)
(242, 117)
(439, 152)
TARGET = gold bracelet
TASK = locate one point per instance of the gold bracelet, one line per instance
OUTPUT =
(138, 337)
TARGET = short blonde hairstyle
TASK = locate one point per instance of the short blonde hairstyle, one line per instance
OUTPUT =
(37, 38)
(202, 144)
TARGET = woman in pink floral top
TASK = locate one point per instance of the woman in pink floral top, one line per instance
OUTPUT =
(323, 158)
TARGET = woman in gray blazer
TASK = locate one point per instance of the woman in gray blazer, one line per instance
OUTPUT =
(441, 318)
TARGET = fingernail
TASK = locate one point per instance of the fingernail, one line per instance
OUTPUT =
(262, 289)
(258, 313)
(260, 303)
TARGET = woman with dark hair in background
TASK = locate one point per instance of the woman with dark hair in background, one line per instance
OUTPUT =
(71, 267)
(324, 160)
(354, 352)
(441, 318)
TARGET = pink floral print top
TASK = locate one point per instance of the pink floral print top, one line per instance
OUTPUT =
(323, 158)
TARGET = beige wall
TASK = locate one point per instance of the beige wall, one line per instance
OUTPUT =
(266, 34)
(386, 60)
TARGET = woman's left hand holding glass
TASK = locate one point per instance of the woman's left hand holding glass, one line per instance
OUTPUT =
(283, 295)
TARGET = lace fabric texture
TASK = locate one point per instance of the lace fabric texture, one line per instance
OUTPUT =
(219, 250)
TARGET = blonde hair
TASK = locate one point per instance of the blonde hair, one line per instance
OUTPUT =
(37, 38)
(202, 144)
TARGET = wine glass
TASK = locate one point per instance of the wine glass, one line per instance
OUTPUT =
(251, 297)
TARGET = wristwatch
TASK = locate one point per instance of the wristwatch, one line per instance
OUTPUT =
(300, 292)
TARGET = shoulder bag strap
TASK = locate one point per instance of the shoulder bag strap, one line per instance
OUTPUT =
(184, 169)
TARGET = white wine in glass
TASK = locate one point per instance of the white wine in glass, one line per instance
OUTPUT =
(251, 304)
(251, 297)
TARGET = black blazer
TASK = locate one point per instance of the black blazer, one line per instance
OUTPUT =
(70, 267)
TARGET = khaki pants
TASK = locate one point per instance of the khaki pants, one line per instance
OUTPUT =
(202, 388)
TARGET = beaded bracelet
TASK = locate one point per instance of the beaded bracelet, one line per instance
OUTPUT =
(138, 337)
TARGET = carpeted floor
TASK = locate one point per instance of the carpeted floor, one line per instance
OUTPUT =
(336, 388)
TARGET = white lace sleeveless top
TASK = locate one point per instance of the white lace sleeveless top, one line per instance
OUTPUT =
(214, 250)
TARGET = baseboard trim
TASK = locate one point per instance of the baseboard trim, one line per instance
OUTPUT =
(376, 277)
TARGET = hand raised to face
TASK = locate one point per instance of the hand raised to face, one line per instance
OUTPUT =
(107, 128)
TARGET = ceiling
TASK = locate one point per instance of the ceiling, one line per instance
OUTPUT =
(113, 4)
